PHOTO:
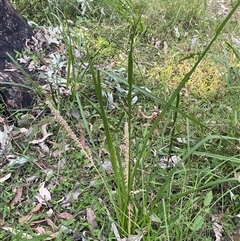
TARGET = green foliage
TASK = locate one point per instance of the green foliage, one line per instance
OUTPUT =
(111, 111)
(45, 12)
(130, 221)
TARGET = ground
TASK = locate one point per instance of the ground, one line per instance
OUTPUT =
(114, 149)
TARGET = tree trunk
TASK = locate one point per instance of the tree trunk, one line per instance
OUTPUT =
(14, 30)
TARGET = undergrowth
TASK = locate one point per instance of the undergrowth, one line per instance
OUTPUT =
(140, 139)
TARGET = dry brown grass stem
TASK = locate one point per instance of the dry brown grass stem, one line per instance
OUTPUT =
(127, 166)
(84, 149)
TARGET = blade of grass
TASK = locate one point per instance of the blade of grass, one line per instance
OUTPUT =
(114, 156)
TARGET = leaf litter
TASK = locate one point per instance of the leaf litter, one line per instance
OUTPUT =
(44, 195)
(91, 219)
(52, 68)
(17, 197)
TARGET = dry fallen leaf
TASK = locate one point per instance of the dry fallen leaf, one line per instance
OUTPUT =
(40, 140)
(37, 222)
(36, 208)
(17, 197)
(40, 230)
(153, 116)
(155, 219)
(5, 138)
(73, 195)
(217, 228)
(169, 162)
(218, 231)
(6, 177)
(2, 120)
(91, 219)
(115, 231)
(44, 195)
(50, 212)
(107, 167)
(165, 47)
(25, 218)
(51, 224)
(65, 216)
(17, 160)
(28, 216)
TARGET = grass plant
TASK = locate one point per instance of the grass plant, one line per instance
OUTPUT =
(143, 151)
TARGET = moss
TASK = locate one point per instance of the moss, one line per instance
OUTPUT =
(205, 81)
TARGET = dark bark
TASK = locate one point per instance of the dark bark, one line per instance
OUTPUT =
(14, 30)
